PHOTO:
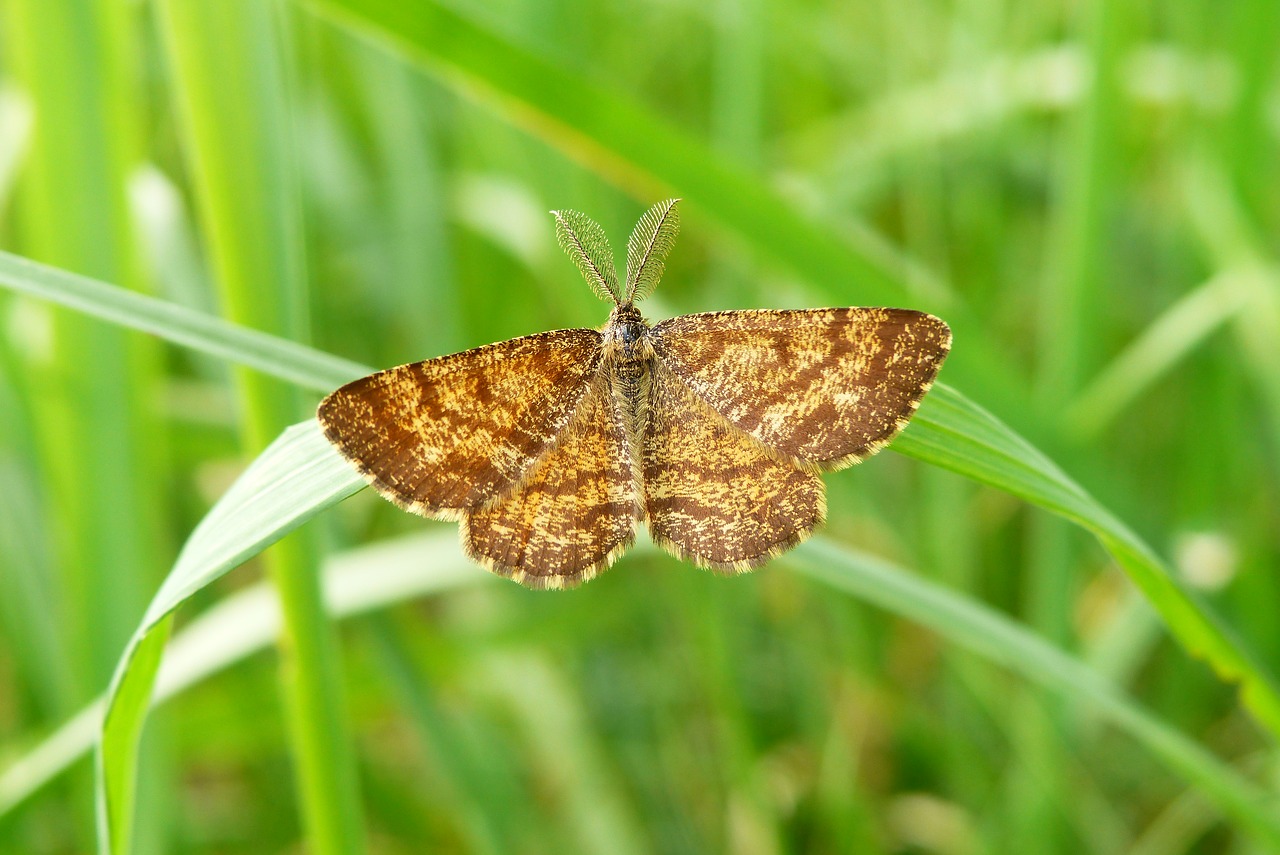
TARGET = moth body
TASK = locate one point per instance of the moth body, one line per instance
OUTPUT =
(628, 357)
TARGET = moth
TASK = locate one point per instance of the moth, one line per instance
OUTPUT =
(712, 429)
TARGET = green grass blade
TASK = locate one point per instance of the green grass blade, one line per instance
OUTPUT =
(993, 636)
(298, 476)
(238, 345)
(231, 67)
(952, 432)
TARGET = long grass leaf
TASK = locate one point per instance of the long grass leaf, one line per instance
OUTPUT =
(954, 433)
(234, 343)
(995, 637)
(298, 476)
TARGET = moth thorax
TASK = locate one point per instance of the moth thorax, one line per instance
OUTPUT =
(627, 336)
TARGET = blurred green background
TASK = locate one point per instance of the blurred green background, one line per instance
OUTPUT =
(1087, 191)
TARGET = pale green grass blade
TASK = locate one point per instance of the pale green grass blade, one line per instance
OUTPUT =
(237, 345)
(993, 636)
(1167, 341)
(355, 582)
(231, 66)
(384, 574)
(298, 476)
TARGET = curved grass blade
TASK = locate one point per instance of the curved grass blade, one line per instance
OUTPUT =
(993, 636)
(298, 476)
(647, 248)
(952, 432)
(236, 344)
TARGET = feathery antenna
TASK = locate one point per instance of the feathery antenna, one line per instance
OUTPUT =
(647, 248)
(585, 242)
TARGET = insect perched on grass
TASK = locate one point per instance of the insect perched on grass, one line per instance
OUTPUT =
(712, 428)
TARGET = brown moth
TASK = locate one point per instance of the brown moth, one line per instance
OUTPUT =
(711, 428)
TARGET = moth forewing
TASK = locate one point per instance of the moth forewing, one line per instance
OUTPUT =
(647, 248)
(587, 245)
(444, 435)
(823, 387)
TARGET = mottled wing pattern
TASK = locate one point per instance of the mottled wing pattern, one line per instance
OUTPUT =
(440, 436)
(713, 494)
(823, 387)
(574, 512)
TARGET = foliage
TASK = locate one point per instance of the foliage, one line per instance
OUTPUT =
(1083, 192)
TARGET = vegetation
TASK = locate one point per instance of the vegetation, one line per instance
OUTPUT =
(1046, 624)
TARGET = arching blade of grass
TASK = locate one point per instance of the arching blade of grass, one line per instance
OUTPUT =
(298, 476)
(238, 345)
(952, 432)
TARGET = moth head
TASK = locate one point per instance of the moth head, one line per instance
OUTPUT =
(586, 244)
